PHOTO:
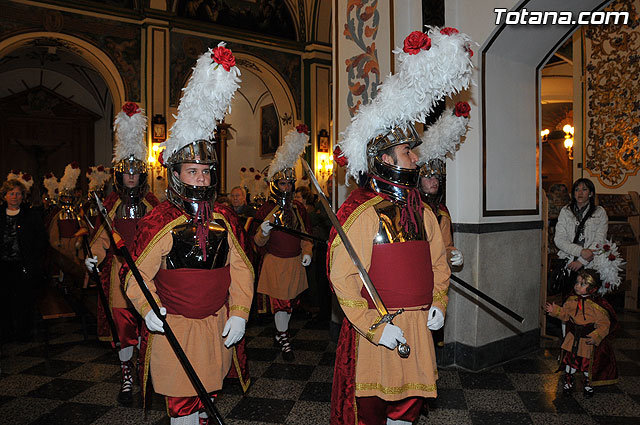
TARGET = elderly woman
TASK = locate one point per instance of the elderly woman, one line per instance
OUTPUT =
(582, 226)
(22, 250)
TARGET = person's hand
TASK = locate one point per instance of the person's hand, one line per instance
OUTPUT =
(233, 330)
(456, 257)
(436, 318)
(549, 307)
(589, 341)
(574, 266)
(587, 254)
(306, 260)
(91, 263)
(153, 322)
(266, 228)
(391, 335)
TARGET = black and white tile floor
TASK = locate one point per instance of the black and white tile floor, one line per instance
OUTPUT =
(76, 382)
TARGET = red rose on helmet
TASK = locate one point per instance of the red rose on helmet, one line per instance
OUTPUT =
(462, 109)
(100, 168)
(257, 177)
(26, 177)
(130, 108)
(243, 169)
(415, 42)
(252, 170)
(469, 51)
(337, 156)
(75, 165)
(15, 172)
(611, 257)
(160, 158)
(48, 175)
(606, 247)
(607, 285)
(302, 128)
(223, 56)
(449, 31)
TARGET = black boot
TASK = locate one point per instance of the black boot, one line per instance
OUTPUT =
(125, 396)
(588, 389)
(282, 340)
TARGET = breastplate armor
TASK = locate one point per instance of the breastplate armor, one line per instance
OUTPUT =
(186, 253)
(67, 213)
(390, 230)
(287, 217)
(133, 209)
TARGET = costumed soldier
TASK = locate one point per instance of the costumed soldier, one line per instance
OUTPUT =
(440, 140)
(127, 204)
(284, 256)
(66, 228)
(189, 250)
(98, 177)
(397, 240)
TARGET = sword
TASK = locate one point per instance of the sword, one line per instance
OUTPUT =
(297, 233)
(403, 349)
(171, 337)
(487, 298)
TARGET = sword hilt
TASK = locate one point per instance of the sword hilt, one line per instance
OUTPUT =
(403, 349)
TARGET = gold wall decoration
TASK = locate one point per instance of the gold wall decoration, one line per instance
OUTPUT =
(612, 97)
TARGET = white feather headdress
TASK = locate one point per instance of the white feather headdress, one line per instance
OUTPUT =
(288, 153)
(51, 184)
(97, 177)
(70, 178)
(24, 178)
(130, 125)
(608, 263)
(438, 67)
(442, 138)
(206, 99)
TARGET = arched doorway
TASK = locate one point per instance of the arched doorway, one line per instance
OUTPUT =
(57, 95)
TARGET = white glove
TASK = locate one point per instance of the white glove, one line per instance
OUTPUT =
(391, 335)
(436, 318)
(153, 322)
(235, 329)
(306, 260)
(456, 257)
(266, 228)
(91, 263)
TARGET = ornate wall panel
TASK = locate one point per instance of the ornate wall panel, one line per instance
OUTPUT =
(363, 69)
(612, 98)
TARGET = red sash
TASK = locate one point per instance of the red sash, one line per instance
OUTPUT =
(67, 228)
(193, 293)
(127, 229)
(283, 245)
(409, 283)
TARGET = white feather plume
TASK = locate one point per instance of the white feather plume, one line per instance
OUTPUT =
(410, 95)
(69, 179)
(51, 184)
(206, 99)
(13, 175)
(97, 178)
(442, 138)
(289, 152)
(130, 136)
(609, 270)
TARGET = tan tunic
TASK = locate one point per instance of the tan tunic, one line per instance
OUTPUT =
(380, 371)
(593, 313)
(69, 247)
(201, 339)
(99, 247)
(282, 278)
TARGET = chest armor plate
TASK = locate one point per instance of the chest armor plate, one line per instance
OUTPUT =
(186, 253)
(131, 210)
(389, 228)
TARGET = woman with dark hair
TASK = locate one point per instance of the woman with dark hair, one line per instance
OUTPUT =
(582, 226)
(21, 254)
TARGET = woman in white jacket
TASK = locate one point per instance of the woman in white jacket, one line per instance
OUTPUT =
(578, 249)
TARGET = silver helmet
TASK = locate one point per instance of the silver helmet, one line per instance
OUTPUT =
(402, 179)
(281, 197)
(185, 196)
(130, 165)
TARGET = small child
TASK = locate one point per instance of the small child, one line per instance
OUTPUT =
(589, 320)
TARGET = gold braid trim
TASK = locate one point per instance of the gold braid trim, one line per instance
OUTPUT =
(239, 307)
(166, 229)
(353, 303)
(596, 334)
(244, 383)
(355, 367)
(443, 213)
(145, 374)
(347, 224)
(370, 334)
(395, 390)
(440, 297)
(243, 254)
(598, 308)
(101, 229)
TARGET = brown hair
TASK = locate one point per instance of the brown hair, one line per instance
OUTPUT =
(9, 185)
(590, 277)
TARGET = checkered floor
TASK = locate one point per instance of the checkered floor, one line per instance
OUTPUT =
(76, 382)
